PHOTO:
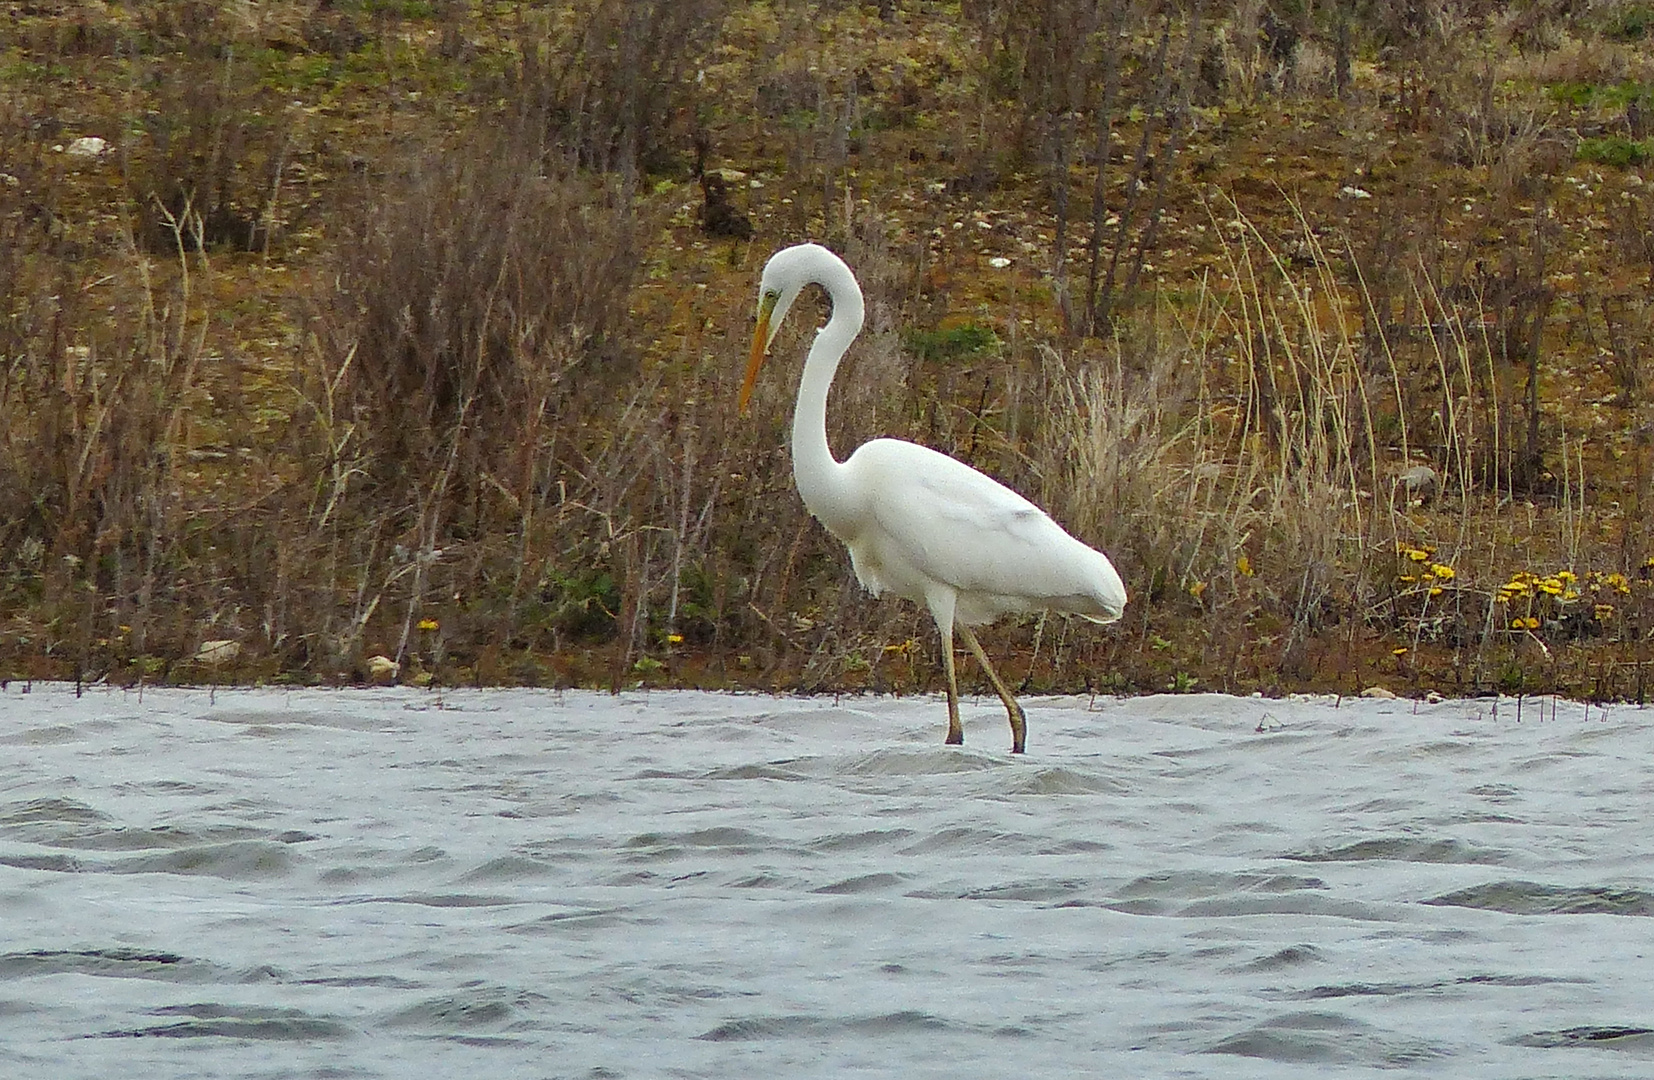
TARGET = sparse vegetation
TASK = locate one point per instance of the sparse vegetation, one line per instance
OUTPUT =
(394, 329)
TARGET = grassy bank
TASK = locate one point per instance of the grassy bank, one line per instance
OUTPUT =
(412, 330)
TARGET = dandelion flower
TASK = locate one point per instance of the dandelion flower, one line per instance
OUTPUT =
(1443, 571)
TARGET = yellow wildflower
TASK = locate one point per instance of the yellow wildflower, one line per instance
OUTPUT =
(1443, 571)
(1527, 622)
(674, 639)
(428, 624)
(1604, 612)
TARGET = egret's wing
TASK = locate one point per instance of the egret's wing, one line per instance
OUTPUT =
(962, 528)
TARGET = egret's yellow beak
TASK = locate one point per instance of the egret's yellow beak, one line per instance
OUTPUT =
(760, 345)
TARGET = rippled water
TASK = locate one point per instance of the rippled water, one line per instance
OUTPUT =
(512, 883)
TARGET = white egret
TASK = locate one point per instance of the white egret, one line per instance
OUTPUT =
(918, 523)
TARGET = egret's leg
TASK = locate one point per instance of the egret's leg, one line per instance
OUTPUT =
(941, 602)
(1019, 719)
(956, 730)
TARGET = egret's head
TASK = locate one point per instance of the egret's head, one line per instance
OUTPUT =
(785, 276)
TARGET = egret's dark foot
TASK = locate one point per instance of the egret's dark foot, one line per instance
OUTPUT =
(1019, 728)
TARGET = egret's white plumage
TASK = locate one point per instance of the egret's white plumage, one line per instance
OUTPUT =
(918, 523)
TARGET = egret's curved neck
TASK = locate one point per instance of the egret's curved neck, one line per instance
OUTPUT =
(816, 471)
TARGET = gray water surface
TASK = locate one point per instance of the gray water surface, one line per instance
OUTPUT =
(395, 883)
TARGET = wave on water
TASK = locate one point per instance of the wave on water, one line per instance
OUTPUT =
(523, 883)
(815, 1027)
(1405, 849)
(203, 1021)
(1630, 1040)
(1533, 898)
(110, 963)
(1317, 1038)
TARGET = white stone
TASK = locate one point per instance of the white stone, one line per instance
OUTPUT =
(381, 668)
(218, 651)
(87, 146)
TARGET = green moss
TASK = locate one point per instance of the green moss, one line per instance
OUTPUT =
(395, 9)
(1629, 22)
(951, 343)
(584, 604)
(1584, 95)
(1617, 150)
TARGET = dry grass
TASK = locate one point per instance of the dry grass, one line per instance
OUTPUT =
(386, 329)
